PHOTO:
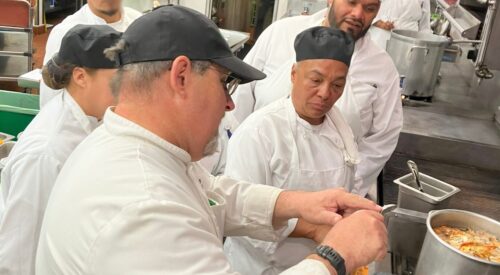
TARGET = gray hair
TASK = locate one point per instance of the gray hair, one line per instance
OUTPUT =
(139, 76)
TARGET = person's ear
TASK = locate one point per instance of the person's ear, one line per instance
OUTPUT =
(293, 76)
(80, 77)
(180, 74)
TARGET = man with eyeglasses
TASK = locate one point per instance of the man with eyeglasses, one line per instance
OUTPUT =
(215, 163)
(132, 199)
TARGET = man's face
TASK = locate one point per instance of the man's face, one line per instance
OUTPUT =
(212, 101)
(107, 7)
(353, 16)
(317, 85)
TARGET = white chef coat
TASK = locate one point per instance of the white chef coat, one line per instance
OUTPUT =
(275, 147)
(28, 177)
(405, 14)
(86, 17)
(373, 82)
(216, 163)
(129, 202)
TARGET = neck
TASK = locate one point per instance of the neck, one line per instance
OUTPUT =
(109, 17)
(312, 120)
(152, 116)
(78, 94)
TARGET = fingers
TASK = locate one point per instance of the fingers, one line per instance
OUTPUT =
(329, 217)
(350, 201)
(375, 215)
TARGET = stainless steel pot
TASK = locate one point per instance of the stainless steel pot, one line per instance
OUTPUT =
(437, 257)
(417, 57)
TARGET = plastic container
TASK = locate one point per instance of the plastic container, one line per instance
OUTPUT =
(16, 111)
(436, 193)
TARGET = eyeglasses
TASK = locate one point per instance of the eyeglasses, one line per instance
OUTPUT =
(230, 83)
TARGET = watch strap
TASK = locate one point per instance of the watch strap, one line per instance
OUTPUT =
(333, 257)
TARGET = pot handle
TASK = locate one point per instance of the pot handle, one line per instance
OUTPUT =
(427, 50)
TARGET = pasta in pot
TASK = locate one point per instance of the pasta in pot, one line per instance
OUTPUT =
(473, 242)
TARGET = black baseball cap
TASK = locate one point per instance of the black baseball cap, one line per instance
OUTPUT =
(324, 43)
(172, 31)
(84, 45)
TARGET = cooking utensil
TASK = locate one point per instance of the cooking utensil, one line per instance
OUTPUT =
(414, 170)
(417, 56)
(438, 257)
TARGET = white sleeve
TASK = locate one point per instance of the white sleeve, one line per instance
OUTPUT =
(377, 147)
(158, 237)
(249, 208)
(425, 22)
(154, 224)
(382, 12)
(31, 179)
(307, 267)
(244, 97)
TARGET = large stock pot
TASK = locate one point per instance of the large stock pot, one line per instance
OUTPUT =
(417, 57)
(438, 257)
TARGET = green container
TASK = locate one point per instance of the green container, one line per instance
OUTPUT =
(16, 111)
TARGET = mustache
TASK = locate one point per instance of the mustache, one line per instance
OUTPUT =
(354, 21)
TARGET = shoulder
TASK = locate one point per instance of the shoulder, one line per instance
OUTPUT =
(292, 24)
(371, 52)
(372, 62)
(131, 13)
(266, 120)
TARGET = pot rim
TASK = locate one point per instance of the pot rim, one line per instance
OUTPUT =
(402, 34)
(434, 213)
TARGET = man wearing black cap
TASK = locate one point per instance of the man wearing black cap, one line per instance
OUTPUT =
(372, 99)
(301, 142)
(82, 71)
(133, 200)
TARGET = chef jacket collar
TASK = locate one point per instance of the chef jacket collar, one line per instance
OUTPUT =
(121, 126)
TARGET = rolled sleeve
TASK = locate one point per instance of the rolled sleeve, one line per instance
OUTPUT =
(307, 267)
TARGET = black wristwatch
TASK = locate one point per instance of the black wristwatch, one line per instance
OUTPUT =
(333, 257)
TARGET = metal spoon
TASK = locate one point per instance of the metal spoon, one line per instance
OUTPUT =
(414, 170)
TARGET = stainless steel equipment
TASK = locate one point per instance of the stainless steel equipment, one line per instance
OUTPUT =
(406, 221)
(414, 170)
(417, 57)
(464, 23)
(437, 257)
(436, 193)
(16, 36)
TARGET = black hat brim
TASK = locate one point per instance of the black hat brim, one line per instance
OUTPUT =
(240, 69)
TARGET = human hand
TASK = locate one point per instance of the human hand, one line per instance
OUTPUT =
(322, 207)
(359, 238)
(329, 206)
(311, 231)
(386, 25)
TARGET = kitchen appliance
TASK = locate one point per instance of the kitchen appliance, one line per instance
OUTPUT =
(417, 57)
(437, 257)
(406, 221)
